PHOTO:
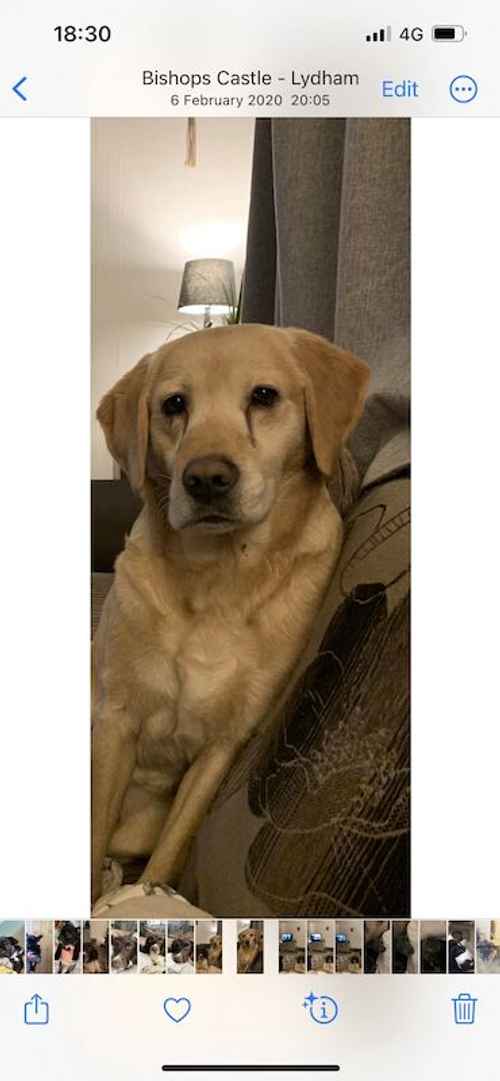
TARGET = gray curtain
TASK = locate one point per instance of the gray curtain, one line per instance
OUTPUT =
(329, 250)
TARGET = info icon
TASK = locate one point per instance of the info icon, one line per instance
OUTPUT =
(321, 1008)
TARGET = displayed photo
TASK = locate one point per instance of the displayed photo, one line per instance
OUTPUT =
(433, 953)
(250, 518)
(11, 947)
(488, 946)
(152, 947)
(349, 946)
(321, 946)
(180, 947)
(405, 946)
(250, 946)
(209, 954)
(67, 947)
(377, 947)
(39, 946)
(95, 946)
(461, 946)
(124, 947)
(293, 946)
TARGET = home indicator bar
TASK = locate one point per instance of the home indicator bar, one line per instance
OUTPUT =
(252, 1069)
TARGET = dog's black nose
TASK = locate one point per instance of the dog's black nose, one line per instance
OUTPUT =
(208, 479)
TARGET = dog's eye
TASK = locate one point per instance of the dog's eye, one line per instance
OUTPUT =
(174, 405)
(264, 396)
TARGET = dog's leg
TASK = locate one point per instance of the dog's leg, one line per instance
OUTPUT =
(113, 761)
(195, 794)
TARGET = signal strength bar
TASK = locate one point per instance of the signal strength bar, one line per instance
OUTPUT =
(384, 34)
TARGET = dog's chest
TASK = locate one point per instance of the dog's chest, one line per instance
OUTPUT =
(209, 664)
(194, 676)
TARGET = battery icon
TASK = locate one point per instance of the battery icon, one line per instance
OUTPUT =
(448, 33)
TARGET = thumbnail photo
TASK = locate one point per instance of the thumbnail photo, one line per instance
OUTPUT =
(349, 946)
(461, 946)
(152, 947)
(250, 946)
(405, 946)
(95, 947)
(180, 947)
(433, 953)
(124, 947)
(39, 946)
(11, 947)
(250, 518)
(293, 946)
(209, 951)
(320, 946)
(488, 946)
(377, 947)
(67, 947)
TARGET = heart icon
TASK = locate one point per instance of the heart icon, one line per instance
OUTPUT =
(177, 1009)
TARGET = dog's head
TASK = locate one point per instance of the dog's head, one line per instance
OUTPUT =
(90, 952)
(33, 944)
(181, 950)
(9, 946)
(12, 953)
(124, 951)
(249, 939)
(68, 935)
(214, 949)
(221, 419)
(152, 946)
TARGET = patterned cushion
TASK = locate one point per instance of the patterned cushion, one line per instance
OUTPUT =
(314, 818)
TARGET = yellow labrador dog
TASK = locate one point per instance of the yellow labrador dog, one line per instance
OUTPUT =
(229, 435)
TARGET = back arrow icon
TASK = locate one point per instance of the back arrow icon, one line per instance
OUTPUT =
(17, 90)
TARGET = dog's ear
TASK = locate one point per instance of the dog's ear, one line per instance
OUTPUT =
(124, 417)
(335, 383)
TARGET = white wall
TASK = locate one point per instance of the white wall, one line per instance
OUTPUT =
(150, 214)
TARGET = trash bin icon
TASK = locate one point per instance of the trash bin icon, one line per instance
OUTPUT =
(464, 1008)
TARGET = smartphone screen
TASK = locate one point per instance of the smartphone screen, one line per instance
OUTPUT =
(239, 247)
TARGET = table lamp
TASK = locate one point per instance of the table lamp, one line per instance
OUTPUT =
(208, 288)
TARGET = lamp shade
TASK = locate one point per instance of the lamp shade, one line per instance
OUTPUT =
(207, 283)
